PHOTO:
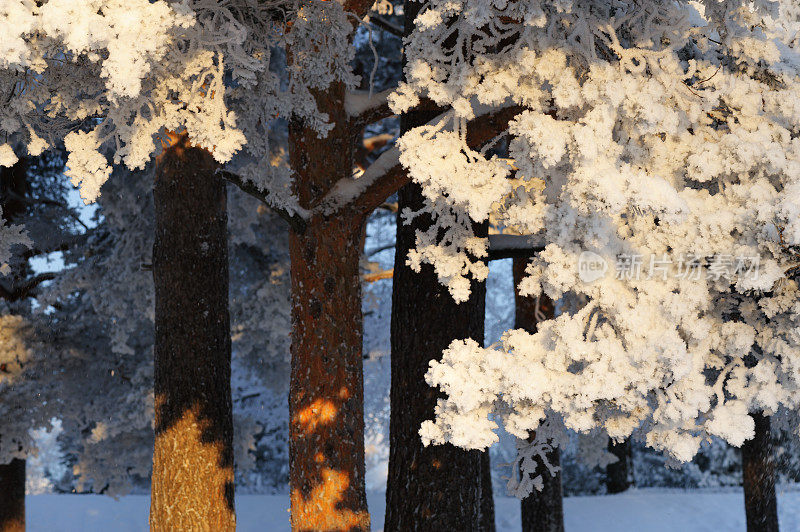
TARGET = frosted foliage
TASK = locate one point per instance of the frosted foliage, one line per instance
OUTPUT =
(18, 358)
(130, 70)
(661, 129)
(11, 237)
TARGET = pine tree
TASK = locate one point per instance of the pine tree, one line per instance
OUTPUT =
(429, 487)
(192, 484)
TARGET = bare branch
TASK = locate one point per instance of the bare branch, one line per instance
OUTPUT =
(26, 288)
(62, 245)
(359, 7)
(295, 221)
(386, 26)
(379, 249)
(377, 276)
(514, 246)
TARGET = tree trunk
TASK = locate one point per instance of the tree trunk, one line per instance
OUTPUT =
(14, 188)
(542, 511)
(326, 402)
(758, 476)
(618, 474)
(436, 487)
(192, 484)
(326, 397)
(487, 494)
(12, 496)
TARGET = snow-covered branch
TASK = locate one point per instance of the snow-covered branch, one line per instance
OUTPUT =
(295, 220)
(364, 108)
(386, 175)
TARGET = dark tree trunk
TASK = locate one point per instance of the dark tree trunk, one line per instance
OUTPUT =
(13, 188)
(758, 476)
(192, 484)
(326, 397)
(12, 496)
(618, 474)
(542, 511)
(487, 494)
(438, 487)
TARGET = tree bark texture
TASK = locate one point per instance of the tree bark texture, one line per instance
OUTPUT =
(618, 474)
(439, 487)
(542, 511)
(326, 398)
(192, 483)
(12, 496)
(13, 187)
(758, 476)
(487, 494)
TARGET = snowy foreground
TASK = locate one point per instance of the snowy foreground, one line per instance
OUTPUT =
(639, 510)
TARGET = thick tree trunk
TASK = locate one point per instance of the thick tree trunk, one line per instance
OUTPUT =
(192, 484)
(12, 496)
(542, 511)
(437, 487)
(758, 475)
(326, 397)
(14, 187)
(618, 474)
(487, 494)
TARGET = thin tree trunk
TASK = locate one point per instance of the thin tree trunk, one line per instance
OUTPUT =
(13, 187)
(618, 474)
(326, 397)
(542, 511)
(758, 475)
(12, 496)
(192, 484)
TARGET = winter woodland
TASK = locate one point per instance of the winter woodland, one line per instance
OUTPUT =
(266, 246)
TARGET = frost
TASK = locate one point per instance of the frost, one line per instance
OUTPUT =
(7, 155)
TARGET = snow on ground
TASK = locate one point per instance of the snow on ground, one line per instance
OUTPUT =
(645, 510)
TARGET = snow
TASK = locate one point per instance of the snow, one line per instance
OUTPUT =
(654, 510)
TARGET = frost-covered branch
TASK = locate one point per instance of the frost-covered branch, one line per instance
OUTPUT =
(386, 175)
(365, 108)
(295, 220)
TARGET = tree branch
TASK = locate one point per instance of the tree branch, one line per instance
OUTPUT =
(63, 245)
(386, 175)
(295, 220)
(386, 26)
(364, 109)
(377, 276)
(359, 7)
(26, 288)
(514, 246)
